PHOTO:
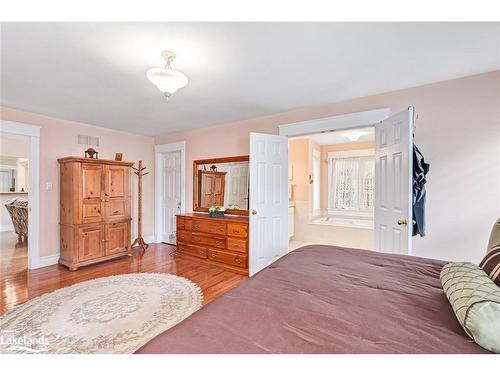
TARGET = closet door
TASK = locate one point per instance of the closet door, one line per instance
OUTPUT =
(91, 193)
(116, 192)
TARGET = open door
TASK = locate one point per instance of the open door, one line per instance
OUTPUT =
(268, 200)
(393, 183)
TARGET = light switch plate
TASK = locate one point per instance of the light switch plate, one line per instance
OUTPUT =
(49, 186)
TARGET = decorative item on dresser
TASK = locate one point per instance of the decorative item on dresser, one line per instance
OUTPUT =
(94, 210)
(222, 241)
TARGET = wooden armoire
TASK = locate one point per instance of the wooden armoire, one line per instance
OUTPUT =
(211, 188)
(94, 210)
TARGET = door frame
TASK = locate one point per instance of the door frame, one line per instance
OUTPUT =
(33, 134)
(334, 123)
(159, 150)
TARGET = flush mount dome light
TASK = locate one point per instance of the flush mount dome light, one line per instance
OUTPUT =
(353, 136)
(166, 79)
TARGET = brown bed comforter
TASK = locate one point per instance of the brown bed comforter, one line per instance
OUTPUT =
(326, 299)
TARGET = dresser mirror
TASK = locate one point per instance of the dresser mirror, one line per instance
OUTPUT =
(222, 182)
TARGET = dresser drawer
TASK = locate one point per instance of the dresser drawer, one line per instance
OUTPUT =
(196, 251)
(183, 236)
(199, 239)
(207, 226)
(237, 230)
(238, 245)
(238, 260)
(184, 223)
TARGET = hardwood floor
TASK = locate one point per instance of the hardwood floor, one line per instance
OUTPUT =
(18, 287)
(13, 253)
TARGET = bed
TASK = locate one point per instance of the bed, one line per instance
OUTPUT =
(326, 299)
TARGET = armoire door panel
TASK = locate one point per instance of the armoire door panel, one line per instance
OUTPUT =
(117, 240)
(91, 241)
(116, 183)
(91, 181)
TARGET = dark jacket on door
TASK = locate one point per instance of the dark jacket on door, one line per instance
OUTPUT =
(420, 169)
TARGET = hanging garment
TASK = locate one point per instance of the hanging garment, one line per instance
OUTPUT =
(420, 169)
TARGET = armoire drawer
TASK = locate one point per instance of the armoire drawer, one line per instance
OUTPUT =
(238, 260)
(199, 239)
(209, 227)
(196, 251)
(235, 244)
(237, 230)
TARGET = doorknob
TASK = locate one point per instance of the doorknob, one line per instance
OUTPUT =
(254, 212)
(403, 222)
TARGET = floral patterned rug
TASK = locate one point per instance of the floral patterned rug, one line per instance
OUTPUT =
(116, 314)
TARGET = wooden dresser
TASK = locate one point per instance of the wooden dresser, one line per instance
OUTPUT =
(222, 241)
(94, 210)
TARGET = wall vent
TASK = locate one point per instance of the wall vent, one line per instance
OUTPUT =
(88, 140)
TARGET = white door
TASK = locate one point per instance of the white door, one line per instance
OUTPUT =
(170, 194)
(237, 185)
(268, 200)
(393, 183)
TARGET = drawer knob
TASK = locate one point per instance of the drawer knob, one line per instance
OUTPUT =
(218, 243)
(237, 259)
(201, 252)
(213, 255)
(236, 245)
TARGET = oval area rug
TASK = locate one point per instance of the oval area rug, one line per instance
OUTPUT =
(116, 314)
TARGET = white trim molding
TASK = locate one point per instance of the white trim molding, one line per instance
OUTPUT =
(44, 261)
(161, 149)
(150, 239)
(340, 122)
(33, 133)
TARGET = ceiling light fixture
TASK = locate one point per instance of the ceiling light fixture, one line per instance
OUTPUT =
(353, 136)
(167, 79)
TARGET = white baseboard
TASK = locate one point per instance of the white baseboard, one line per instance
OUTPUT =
(50, 260)
(45, 261)
(6, 227)
(150, 239)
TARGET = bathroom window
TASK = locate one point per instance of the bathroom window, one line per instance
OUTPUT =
(351, 184)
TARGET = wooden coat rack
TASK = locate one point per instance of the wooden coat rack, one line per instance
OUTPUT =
(139, 241)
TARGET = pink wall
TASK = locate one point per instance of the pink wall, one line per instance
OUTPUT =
(58, 138)
(458, 130)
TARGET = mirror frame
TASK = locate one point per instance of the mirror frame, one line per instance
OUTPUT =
(196, 163)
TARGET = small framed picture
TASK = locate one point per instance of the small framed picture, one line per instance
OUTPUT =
(118, 156)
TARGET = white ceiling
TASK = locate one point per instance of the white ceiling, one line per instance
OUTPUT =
(95, 72)
(364, 134)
